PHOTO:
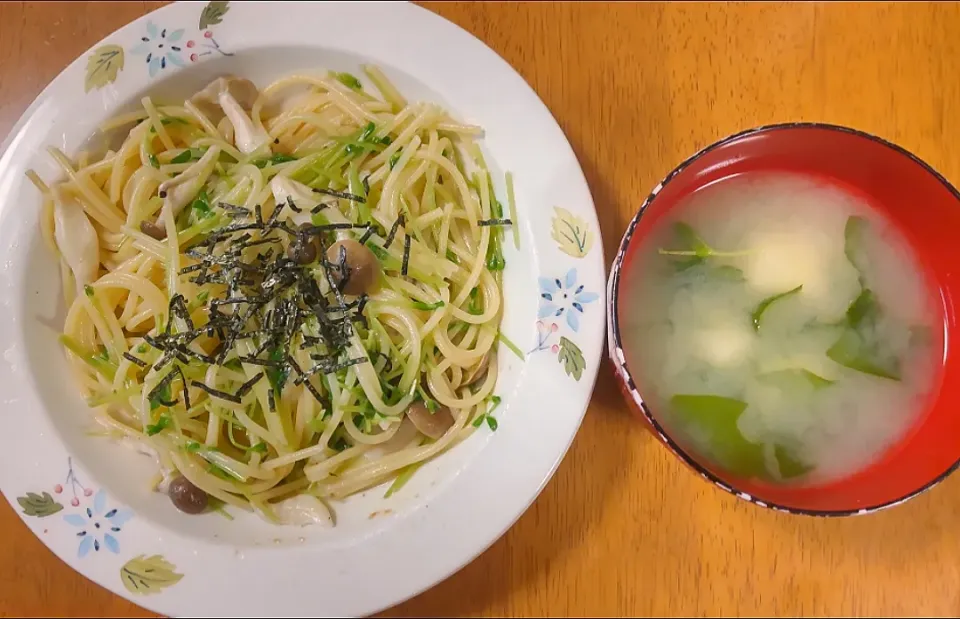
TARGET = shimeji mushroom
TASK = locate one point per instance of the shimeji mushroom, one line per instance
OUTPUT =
(302, 510)
(305, 198)
(76, 238)
(232, 96)
(181, 189)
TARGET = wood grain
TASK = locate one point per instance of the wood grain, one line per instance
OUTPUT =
(623, 529)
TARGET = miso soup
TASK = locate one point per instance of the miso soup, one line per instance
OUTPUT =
(781, 328)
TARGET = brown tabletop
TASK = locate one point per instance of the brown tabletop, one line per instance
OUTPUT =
(623, 529)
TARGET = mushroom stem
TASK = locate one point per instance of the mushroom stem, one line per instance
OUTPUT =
(76, 238)
(184, 187)
(247, 136)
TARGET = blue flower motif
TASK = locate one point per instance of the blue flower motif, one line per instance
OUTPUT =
(160, 48)
(564, 296)
(98, 528)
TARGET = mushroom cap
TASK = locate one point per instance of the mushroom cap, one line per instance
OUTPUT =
(207, 100)
(430, 424)
(241, 89)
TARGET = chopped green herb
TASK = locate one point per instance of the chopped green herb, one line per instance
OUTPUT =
(273, 160)
(511, 346)
(452, 257)
(762, 307)
(340, 444)
(162, 423)
(394, 159)
(193, 447)
(474, 308)
(420, 305)
(367, 132)
(163, 395)
(379, 252)
(492, 423)
(349, 80)
(278, 374)
(260, 447)
(402, 478)
(101, 355)
(183, 157)
(221, 472)
(153, 161)
(429, 402)
(201, 206)
(88, 290)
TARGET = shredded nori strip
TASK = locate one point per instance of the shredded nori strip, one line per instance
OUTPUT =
(495, 222)
(318, 208)
(272, 297)
(186, 392)
(166, 358)
(293, 207)
(154, 393)
(325, 366)
(223, 395)
(275, 215)
(247, 386)
(393, 232)
(366, 184)
(342, 194)
(234, 207)
(134, 360)
(366, 235)
(296, 368)
(271, 401)
(406, 256)
(263, 362)
(178, 306)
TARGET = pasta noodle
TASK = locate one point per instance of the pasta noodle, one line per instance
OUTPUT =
(286, 299)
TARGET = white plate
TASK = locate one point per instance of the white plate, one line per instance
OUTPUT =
(87, 498)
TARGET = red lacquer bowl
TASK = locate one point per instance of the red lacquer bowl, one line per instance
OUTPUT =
(925, 208)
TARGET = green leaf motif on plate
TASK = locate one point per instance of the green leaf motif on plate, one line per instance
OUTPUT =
(103, 65)
(571, 233)
(37, 505)
(213, 14)
(572, 358)
(144, 575)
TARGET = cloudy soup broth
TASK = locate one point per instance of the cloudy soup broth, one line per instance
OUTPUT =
(781, 329)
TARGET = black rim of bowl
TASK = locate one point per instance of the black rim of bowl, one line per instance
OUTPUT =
(616, 348)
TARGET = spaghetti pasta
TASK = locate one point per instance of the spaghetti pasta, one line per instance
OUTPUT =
(294, 298)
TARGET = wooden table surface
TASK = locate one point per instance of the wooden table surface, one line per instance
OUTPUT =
(623, 529)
